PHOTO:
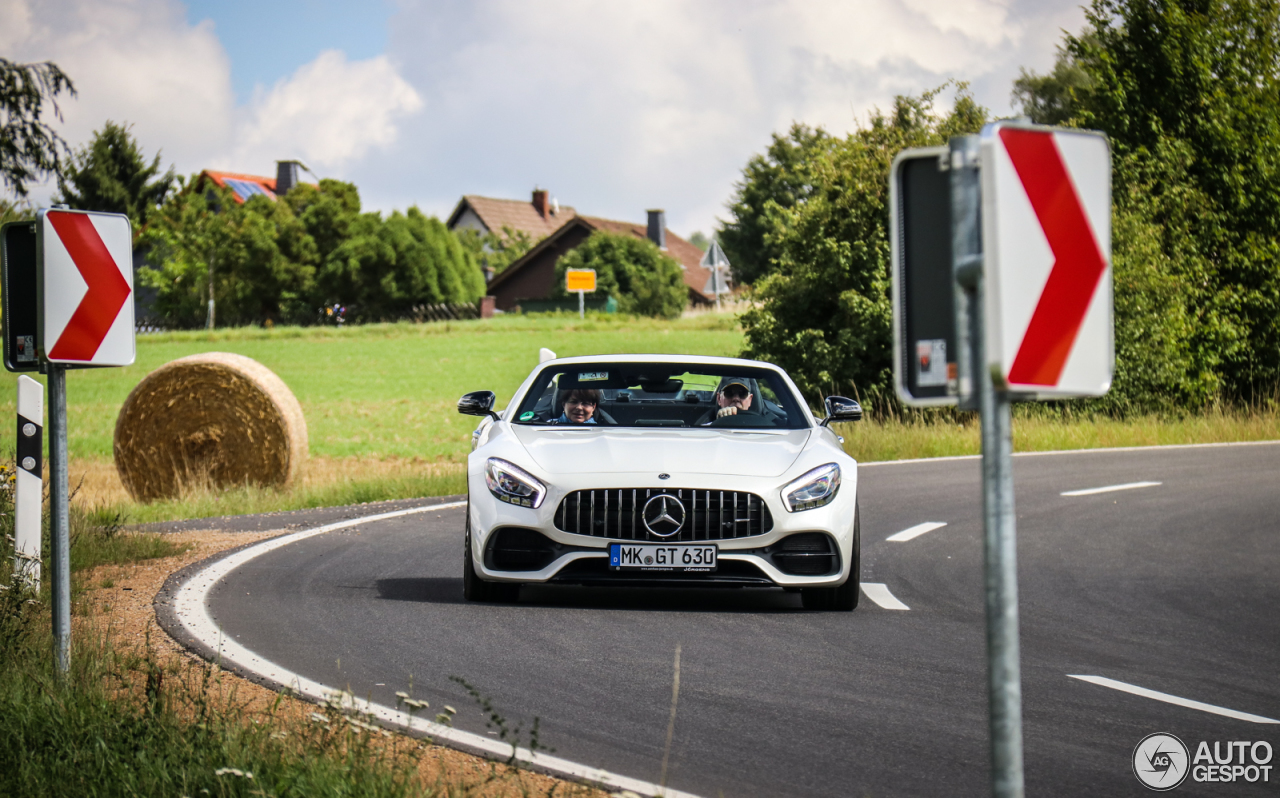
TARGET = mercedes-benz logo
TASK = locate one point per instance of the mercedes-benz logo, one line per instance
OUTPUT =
(663, 515)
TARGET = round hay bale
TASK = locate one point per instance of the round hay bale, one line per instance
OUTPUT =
(213, 420)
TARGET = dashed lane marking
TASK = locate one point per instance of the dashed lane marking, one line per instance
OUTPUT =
(1110, 488)
(916, 531)
(1171, 699)
(880, 594)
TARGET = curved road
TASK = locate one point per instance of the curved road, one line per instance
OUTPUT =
(1171, 587)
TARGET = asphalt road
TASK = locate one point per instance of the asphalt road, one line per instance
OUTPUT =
(1174, 588)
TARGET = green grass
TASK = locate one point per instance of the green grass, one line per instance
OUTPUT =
(250, 499)
(385, 389)
(946, 434)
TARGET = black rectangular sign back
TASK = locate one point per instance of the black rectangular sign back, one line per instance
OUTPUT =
(18, 280)
(924, 309)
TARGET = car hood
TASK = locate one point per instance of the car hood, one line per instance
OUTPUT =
(736, 453)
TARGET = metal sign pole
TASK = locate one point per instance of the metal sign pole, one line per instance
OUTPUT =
(59, 532)
(1001, 571)
(582, 304)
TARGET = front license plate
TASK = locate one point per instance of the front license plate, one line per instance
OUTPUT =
(628, 557)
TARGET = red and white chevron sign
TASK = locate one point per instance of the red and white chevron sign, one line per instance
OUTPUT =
(1047, 252)
(87, 289)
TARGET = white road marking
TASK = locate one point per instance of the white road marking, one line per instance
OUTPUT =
(1172, 699)
(916, 531)
(1110, 488)
(191, 607)
(1072, 451)
(880, 594)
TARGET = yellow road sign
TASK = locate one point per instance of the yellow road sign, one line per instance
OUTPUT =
(580, 280)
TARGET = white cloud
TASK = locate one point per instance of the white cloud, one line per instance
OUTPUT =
(329, 113)
(141, 62)
(621, 106)
(615, 107)
(131, 61)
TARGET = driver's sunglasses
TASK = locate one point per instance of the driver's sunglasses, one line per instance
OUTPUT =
(579, 402)
(736, 392)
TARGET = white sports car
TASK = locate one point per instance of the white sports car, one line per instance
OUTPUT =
(661, 470)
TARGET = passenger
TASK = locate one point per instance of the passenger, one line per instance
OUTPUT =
(579, 406)
(734, 397)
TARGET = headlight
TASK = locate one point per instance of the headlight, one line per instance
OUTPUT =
(512, 484)
(814, 489)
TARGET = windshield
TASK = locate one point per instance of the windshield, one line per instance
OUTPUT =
(660, 395)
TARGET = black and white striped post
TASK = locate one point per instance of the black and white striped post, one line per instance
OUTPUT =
(29, 485)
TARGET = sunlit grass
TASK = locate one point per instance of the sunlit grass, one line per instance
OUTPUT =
(949, 435)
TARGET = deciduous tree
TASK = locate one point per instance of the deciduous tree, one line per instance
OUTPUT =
(632, 270)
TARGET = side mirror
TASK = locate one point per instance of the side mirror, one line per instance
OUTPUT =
(841, 409)
(478, 403)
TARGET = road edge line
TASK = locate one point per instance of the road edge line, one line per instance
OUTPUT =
(1071, 451)
(181, 606)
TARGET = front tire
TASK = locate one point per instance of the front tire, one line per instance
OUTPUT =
(845, 597)
(476, 589)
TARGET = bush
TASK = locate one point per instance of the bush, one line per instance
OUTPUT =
(824, 312)
(632, 270)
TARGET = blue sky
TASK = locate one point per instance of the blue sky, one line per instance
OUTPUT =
(267, 41)
(613, 106)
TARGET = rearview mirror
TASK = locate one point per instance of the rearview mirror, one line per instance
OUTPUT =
(841, 409)
(478, 403)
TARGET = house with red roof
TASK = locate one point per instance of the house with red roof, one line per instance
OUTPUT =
(533, 275)
(245, 186)
(538, 218)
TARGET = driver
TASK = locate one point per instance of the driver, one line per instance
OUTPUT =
(579, 406)
(734, 397)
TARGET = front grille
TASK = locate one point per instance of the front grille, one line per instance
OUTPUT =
(709, 514)
(806, 554)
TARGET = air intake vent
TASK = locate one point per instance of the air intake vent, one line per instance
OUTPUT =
(806, 554)
(618, 513)
(516, 549)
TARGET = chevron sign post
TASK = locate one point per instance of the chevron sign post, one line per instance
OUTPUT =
(84, 308)
(87, 280)
(1046, 207)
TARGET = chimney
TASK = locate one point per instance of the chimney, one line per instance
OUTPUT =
(286, 176)
(540, 201)
(658, 228)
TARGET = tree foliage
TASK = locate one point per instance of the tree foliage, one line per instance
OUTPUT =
(772, 185)
(496, 250)
(824, 310)
(111, 174)
(1189, 93)
(638, 275)
(284, 259)
(29, 148)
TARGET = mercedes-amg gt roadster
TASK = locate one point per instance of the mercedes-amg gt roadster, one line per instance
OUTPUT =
(666, 470)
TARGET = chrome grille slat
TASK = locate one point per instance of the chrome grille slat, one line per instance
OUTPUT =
(710, 515)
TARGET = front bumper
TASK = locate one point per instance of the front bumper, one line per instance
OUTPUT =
(746, 561)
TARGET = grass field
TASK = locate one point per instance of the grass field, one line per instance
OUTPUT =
(380, 403)
(385, 389)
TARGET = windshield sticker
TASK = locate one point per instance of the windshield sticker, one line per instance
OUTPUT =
(526, 416)
(593, 376)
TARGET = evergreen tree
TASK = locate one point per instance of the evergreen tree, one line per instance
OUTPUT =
(111, 174)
